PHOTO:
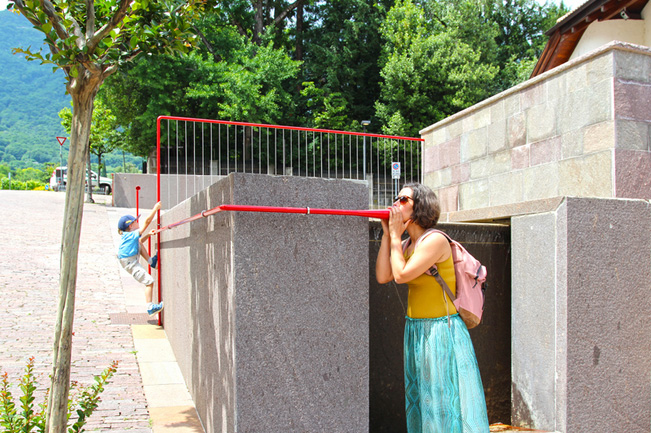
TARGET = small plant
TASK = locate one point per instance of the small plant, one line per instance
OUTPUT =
(24, 419)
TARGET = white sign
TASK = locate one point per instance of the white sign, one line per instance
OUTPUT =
(395, 170)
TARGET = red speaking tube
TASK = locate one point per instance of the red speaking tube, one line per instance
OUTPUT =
(377, 213)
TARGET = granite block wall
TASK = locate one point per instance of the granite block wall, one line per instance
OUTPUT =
(268, 313)
(582, 129)
(580, 329)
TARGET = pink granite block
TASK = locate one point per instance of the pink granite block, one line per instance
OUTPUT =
(460, 173)
(545, 151)
(632, 174)
(520, 157)
(633, 101)
(431, 159)
(450, 153)
(449, 198)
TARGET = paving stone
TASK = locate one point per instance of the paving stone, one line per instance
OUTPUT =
(29, 275)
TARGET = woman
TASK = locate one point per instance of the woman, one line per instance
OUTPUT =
(443, 389)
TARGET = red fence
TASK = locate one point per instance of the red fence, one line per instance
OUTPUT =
(194, 153)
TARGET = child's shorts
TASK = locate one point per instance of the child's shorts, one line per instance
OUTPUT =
(132, 265)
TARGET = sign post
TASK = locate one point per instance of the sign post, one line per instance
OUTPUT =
(395, 175)
(61, 140)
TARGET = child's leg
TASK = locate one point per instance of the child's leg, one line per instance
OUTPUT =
(149, 293)
(144, 254)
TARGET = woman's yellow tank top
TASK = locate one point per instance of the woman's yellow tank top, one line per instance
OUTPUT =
(426, 294)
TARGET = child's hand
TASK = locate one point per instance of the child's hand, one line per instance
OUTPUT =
(157, 207)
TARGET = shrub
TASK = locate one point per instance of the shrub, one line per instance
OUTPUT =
(24, 419)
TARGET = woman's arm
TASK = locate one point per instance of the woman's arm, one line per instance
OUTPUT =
(431, 250)
(149, 219)
(383, 264)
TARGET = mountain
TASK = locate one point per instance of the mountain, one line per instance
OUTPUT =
(31, 97)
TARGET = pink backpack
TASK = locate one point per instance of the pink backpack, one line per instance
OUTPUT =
(470, 275)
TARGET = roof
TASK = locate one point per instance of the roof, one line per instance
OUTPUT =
(565, 35)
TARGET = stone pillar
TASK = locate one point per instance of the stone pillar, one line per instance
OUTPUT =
(268, 313)
(580, 310)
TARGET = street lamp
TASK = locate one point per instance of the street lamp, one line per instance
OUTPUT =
(365, 123)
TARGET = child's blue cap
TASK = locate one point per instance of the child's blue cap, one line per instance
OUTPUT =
(126, 221)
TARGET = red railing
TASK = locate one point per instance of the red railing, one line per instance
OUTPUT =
(189, 151)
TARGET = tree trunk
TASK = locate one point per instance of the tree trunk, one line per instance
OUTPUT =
(299, 32)
(258, 27)
(82, 110)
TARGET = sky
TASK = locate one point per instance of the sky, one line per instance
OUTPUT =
(570, 3)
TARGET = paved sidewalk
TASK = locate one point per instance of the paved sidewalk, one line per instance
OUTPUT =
(147, 393)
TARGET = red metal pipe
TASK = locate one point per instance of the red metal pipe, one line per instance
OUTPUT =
(294, 128)
(158, 217)
(377, 213)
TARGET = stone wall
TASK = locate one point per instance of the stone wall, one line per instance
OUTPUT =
(268, 313)
(565, 158)
(582, 129)
(580, 307)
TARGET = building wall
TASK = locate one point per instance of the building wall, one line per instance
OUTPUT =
(565, 158)
(582, 129)
(600, 33)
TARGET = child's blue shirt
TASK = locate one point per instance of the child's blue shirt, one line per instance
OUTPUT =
(129, 244)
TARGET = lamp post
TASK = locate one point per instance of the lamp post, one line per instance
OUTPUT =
(365, 123)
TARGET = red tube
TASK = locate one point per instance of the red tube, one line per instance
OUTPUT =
(377, 213)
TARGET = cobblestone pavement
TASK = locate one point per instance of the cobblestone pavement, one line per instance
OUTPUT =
(31, 223)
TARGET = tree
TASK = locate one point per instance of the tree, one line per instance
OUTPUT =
(521, 36)
(433, 66)
(103, 136)
(342, 45)
(89, 40)
(226, 77)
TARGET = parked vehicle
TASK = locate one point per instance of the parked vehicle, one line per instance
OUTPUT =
(59, 178)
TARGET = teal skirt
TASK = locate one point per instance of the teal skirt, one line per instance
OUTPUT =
(443, 389)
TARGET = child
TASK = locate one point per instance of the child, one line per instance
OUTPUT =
(131, 248)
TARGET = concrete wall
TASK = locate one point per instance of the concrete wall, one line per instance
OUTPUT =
(268, 313)
(582, 129)
(581, 303)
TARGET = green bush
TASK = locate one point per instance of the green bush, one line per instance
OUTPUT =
(24, 419)
(33, 184)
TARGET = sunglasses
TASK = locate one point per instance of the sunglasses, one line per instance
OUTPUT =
(403, 199)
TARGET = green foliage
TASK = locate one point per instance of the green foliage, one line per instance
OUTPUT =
(254, 84)
(342, 44)
(521, 36)
(432, 68)
(24, 418)
(30, 97)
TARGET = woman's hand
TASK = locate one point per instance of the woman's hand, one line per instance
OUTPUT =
(396, 225)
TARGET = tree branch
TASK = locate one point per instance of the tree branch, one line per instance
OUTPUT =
(287, 10)
(90, 20)
(116, 19)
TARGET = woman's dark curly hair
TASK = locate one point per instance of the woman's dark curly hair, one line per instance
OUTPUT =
(427, 209)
